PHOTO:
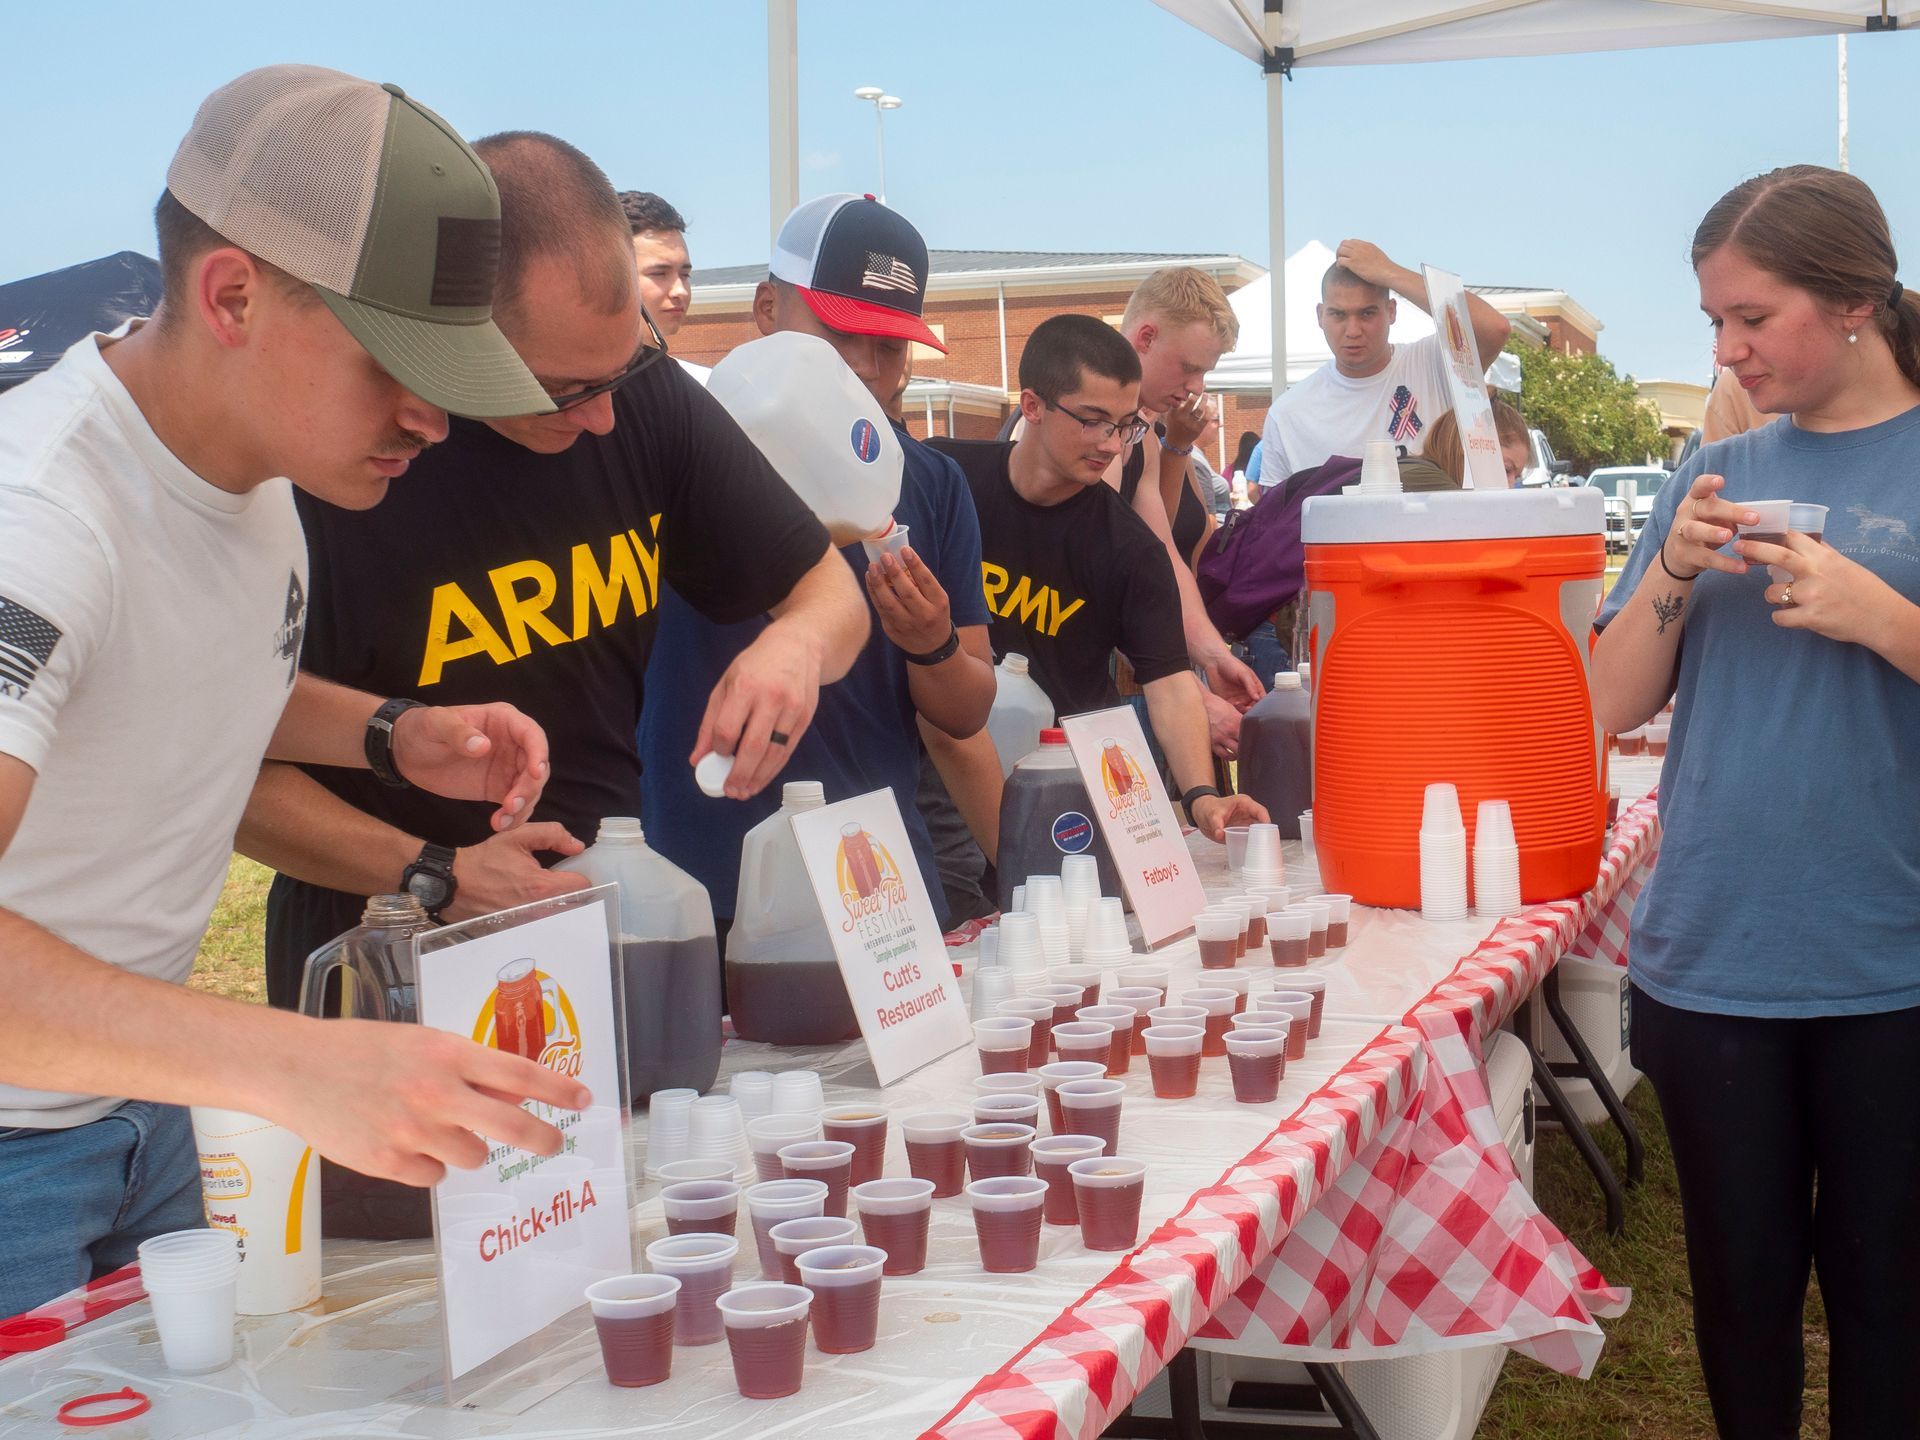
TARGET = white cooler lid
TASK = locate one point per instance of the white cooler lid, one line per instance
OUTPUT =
(1452, 515)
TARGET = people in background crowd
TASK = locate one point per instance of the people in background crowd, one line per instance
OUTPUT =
(660, 257)
(1449, 458)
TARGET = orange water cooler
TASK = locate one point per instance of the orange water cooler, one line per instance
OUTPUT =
(1450, 641)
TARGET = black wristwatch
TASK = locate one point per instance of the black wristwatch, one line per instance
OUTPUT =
(1198, 792)
(429, 879)
(379, 741)
(934, 657)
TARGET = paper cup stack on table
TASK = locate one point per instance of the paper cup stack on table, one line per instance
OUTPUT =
(633, 1317)
(1108, 945)
(1080, 886)
(1236, 850)
(261, 1183)
(798, 1092)
(754, 1090)
(1496, 861)
(718, 1132)
(1047, 903)
(1023, 951)
(1443, 856)
(191, 1277)
(1262, 864)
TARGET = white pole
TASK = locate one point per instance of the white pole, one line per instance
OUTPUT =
(1843, 102)
(1003, 336)
(783, 112)
(880, 133)
(1277, 210)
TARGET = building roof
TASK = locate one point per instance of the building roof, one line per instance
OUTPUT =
(982, 262)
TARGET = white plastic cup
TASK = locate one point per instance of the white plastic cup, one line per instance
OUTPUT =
(1020, 950)
(773, 1201)
(1107, 925)
(1306, 832)
(718, 1132)
(710, 1206)
(765, 1306)
(1014, 1109)
(669, 1126)
(190, 1277)
(1380, 467)
(1046, 899)
(261, 1181)
(770, 1133)
(1080, 879)
(1440, 812)
(1776, 517)
(754, 1090)
(890, 541)
(797, 1092)
(1262, 857)
(1493, 825)
(1178, 1015)
(992, 989)
(793, 1238)
(1006, 1084)
(681, 1172)
(1297, 1006)
(703, 1264)
(988, 956)
(1808, 520)
(1155, 976)
(1236, 849)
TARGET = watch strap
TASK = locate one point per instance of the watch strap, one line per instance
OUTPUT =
(1198, 792)
(943, 652)
(435, 861)
(379, 741)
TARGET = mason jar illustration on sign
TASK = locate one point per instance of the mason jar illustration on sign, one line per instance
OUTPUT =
(530, 1015)
(1129, 801)
(867, 876)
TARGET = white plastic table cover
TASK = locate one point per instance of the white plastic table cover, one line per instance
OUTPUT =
(960, 1353)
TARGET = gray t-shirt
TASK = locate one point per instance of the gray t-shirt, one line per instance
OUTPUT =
(1789, 876)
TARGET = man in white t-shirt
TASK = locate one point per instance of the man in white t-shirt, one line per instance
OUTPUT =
(328, 250)
(1372, 389)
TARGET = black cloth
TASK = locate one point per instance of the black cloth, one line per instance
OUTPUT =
(1757, 1111)
(1069, 584)
(493, 573)
(1188, 522)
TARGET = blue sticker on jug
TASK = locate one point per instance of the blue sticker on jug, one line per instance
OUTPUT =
(1072, 832)
(866, 440)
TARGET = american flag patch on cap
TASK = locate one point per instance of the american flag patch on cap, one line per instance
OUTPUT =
(26, 643)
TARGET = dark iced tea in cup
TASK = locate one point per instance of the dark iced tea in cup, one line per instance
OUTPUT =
(1108, 1191)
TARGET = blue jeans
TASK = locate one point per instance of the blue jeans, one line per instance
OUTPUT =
(1267, 652)
(80, 1201)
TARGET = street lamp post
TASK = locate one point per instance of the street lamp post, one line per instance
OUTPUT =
(882, 102)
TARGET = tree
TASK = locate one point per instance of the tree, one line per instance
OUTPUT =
(1591, 413)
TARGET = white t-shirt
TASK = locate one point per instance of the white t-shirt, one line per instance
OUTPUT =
(1329, 414)
(150, 624)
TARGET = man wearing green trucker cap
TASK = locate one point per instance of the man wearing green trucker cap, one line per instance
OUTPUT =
(327, 248)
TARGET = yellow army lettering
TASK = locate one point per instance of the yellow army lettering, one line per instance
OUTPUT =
(1037, 607)
(524, 591)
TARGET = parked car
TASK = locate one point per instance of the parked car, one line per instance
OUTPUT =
(1543, 466)
(1629, 490)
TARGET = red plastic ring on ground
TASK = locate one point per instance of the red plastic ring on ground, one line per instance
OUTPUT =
(139, 1406)
(31, 1332)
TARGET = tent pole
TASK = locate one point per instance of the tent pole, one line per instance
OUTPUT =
(1276, 205)
(783, 112)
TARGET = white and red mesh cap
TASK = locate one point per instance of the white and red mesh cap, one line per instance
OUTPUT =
(859, 266)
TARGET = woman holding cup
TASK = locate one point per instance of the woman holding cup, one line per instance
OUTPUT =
(1777, 1003)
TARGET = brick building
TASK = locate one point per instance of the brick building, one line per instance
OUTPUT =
(984, 303)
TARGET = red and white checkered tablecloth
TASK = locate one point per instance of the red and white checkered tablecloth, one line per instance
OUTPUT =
(1431, 1241)
(1093, 1360)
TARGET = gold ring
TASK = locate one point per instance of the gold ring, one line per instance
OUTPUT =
(1786, 593)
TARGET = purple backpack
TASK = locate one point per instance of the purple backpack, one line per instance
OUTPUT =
(1255, 562)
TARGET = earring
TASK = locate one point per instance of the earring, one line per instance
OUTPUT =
(1853, 337)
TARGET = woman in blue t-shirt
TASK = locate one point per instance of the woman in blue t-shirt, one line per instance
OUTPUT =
(1776, 950)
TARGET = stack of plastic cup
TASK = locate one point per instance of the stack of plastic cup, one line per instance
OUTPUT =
(767, 1135)
(1306, 829)
(766, 1328)
(1262, 864)
(719, 1132)
(669, 1127)
(1236, 849)
(991, 989)
(1443, 856)
(703, 1264)
(797, 1092)
(1019, 901)
(191, 1277)
(1107, 941)
(989, 954)
(1080, 884)
(1022, 954)
(1047, 903)
(754, 1090)
(1496, 861)
(1380, 469)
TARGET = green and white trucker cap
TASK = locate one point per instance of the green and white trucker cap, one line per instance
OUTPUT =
(373, 200)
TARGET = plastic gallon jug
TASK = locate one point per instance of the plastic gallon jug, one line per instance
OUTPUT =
(1276, 753)
(1021, 710)
(1450, 635)
(373, 964)
(819, 426)
(1045, 815)
(669, 960)
(783, 983)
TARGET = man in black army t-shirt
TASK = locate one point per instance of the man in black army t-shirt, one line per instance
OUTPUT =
(1071, 572)
(523, 559)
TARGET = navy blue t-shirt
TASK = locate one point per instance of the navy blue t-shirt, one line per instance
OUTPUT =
(864, 736)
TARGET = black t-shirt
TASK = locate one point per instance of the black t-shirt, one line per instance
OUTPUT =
(1189, 521)
(1069, 584)
(493, 573)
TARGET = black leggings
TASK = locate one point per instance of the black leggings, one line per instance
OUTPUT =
(1756, 1110)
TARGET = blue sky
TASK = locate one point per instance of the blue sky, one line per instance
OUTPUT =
(1044, 124)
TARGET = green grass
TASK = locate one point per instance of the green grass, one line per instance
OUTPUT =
(1647, 1385)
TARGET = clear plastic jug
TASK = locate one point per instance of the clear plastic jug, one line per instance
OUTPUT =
(669, 959)
(1021, 710)
(1045, 815)
(818, 426)
(783, 982)
(1276, 752)
(374, 961)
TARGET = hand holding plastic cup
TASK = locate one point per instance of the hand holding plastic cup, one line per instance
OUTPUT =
(766, 1327)
(1809, 520)
(1776, 518)
(633, 1316)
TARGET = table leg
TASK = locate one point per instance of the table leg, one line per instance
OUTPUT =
(1544, 1078)
(1591, 1072)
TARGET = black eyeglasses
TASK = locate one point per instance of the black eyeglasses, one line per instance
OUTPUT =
(1128, 430)
(649, 353)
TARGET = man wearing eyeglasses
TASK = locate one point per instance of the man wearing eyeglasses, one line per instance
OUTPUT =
(525, 558)
(1071, 572)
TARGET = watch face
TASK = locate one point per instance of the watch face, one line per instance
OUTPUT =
(431, 890)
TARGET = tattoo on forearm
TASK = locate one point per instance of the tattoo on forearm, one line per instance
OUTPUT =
(1666, 609)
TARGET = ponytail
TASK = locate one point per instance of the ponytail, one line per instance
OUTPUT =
(1900, 324)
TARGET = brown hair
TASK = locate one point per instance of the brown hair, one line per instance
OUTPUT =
(1339, 277)
(1182, 295)
(1443, 445)
(554, 201)
(183, 239)
(1822, 231)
